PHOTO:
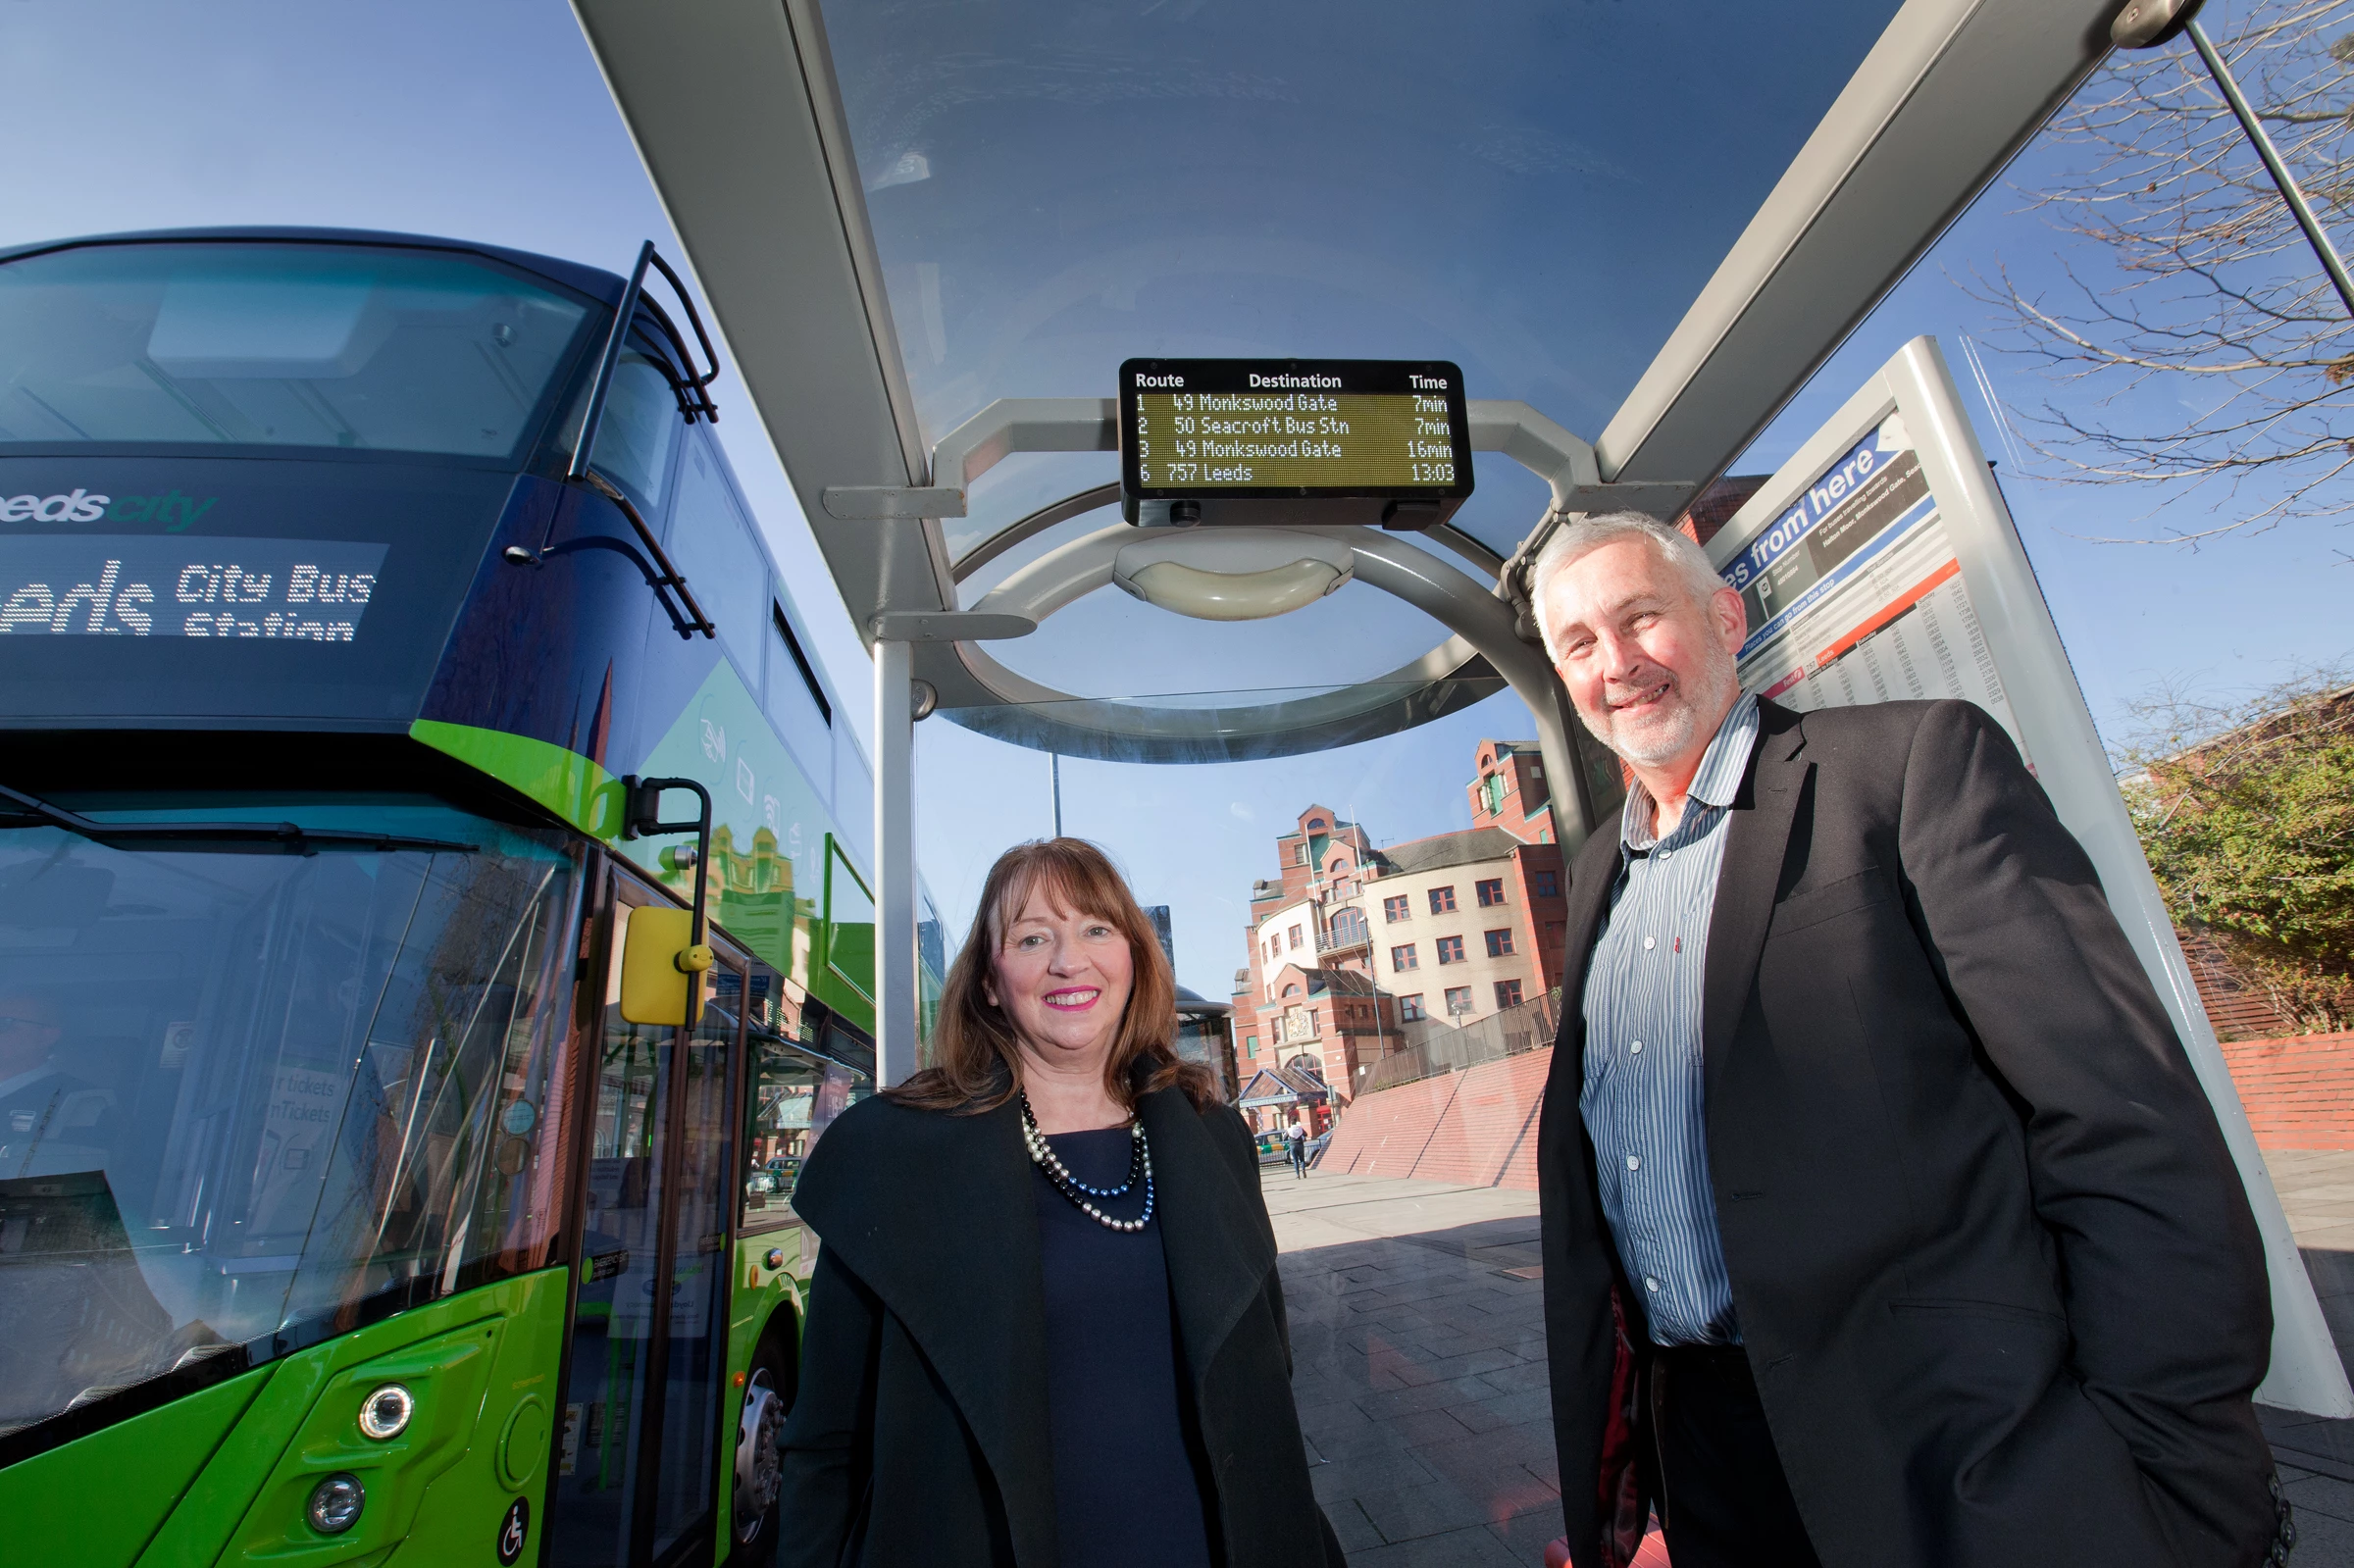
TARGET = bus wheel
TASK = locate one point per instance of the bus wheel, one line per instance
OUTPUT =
(759, 1467)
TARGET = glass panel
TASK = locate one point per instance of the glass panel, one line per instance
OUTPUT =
(340, 346)
(606, 1404)
(700, 1272)
(253, 1097)
(854, 794)
(849, 923)
(792, 1096)
(794, 706)
(638, 437)
(1052, 194)
(1049, 195)
(714, 551)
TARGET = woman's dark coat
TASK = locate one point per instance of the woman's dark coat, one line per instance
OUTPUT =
(919, 1434)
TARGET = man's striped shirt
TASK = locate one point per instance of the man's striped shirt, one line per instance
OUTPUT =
(1644, 1100)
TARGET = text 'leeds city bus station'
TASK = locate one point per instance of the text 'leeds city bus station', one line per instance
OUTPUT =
(507, 1050)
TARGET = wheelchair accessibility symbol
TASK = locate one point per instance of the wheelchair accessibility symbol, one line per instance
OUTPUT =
(514, 1530)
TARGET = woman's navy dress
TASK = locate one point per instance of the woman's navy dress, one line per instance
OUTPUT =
(1129, 1489)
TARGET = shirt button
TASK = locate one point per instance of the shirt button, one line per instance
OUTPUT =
(1636, 1049)
(1664, 853)
(1649, 942)
(1651, 1285)
(1634, 1162)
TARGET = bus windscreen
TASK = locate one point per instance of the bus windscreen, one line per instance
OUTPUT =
(245, 1095)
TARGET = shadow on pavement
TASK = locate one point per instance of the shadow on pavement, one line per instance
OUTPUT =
(1420, 1371)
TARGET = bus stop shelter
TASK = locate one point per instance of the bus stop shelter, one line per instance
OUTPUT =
(931, 232)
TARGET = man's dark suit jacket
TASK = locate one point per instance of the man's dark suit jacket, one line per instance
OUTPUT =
(1994, 1271)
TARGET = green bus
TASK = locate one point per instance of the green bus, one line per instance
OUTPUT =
(417, 992)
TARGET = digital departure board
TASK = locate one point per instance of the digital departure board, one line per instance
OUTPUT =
(1384, 442)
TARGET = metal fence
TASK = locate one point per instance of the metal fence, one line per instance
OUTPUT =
(1487, 1039)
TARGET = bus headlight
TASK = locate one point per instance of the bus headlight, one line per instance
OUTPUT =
(336, 1504)
(384, 1414)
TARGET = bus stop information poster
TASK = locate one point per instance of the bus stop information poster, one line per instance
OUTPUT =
(1878, 565)
(1855, 594)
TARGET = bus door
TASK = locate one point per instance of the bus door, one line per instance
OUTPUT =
(636, 1461)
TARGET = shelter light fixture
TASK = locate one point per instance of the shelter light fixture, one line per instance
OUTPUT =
(1234, 573)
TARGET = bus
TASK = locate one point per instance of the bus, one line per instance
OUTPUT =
(418, 992)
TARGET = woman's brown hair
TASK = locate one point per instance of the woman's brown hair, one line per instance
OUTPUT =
(976, 1064)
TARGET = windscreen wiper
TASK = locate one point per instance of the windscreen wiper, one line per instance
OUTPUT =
(261, 838)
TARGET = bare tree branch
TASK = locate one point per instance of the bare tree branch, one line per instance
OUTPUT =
(2217, 356)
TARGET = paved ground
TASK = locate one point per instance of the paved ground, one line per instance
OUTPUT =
(2316, 1457)
(1419, 1350)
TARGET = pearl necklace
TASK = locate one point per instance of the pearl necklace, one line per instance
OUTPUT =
(1042, 1155)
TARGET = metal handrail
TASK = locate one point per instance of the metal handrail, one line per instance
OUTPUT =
(671, 579)
(1509, 1032)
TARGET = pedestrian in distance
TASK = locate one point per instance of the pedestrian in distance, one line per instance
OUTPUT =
(1294, 1137)
(1046, 1329)
(1884, 1221)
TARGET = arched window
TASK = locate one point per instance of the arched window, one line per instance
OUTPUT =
(1348, 927)
(1316, 821)
(1291, 991)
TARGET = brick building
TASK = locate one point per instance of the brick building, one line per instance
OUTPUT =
(1509, 791)
(1357, 950)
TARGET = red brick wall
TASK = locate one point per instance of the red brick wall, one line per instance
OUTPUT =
(2299, 1090)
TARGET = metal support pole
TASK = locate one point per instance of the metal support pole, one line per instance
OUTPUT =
(2290, 191)
(1058, 756)
(896, 994)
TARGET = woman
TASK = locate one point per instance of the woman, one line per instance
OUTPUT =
(1046, 1328)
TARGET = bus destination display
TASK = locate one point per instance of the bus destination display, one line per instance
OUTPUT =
(1385, 442)
(307, 590)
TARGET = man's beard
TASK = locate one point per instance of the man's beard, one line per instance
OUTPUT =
(1664, 737)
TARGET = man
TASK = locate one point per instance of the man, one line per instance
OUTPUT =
(1884, 1221)
(1295, 1139)
(50, 1121)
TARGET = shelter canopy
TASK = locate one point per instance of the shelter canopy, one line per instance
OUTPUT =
(1648, 224)
(1534, 191)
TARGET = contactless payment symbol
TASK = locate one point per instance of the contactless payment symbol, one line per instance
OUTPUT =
(514, 1530)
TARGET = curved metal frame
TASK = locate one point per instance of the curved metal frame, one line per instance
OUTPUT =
(1056, 513)
(1485, 653)
(1492, 645)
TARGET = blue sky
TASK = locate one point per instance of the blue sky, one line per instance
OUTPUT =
(488, 120)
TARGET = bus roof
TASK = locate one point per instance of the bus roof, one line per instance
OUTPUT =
(593, 281)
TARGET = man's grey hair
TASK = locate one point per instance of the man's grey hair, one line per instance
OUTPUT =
(1582, 536)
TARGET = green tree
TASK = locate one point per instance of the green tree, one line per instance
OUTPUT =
(2247, 817)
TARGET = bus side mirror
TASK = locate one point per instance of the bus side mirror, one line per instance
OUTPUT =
(661, 967)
